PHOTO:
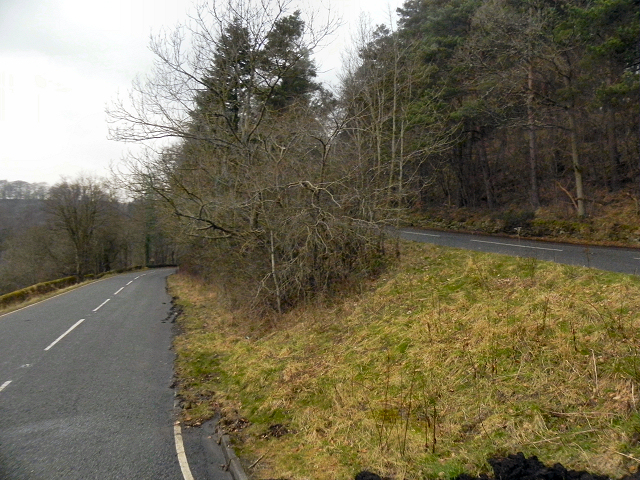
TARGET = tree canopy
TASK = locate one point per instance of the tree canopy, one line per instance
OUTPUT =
(283, 187)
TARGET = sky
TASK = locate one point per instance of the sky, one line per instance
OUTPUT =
(63, 61)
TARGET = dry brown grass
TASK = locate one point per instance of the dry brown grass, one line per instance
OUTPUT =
(498, 354)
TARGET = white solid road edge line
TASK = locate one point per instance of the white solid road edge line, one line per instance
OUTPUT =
(5, 385)
(64, 334)
(182, 456)
(422, 234)
(101, 305)
(519, 246)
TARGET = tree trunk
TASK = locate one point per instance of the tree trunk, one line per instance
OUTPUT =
(531, 133)
(459, 157)
(612, 148)
(275, 275)
(575, 161)
(484, 166)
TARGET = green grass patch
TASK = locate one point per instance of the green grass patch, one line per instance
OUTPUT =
(448, 358)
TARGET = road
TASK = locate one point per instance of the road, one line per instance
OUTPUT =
(613, 259)
(85, 384)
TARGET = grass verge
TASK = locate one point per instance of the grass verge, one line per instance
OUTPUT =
(39, 292)
(447, 359)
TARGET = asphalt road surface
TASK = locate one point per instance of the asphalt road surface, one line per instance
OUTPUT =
(613, 259)
(85, 383)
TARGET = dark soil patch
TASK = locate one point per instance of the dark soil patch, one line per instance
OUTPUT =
(519, 467)
(367, 475)
(276, 431)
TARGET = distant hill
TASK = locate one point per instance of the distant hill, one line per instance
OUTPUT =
(17, 215)
(23, 190)
(21, 207)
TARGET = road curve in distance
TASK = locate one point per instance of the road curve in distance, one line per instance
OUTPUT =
(613, 259)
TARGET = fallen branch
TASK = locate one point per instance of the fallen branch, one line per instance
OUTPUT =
(573, 200)
(561, 436)
(257, 461)
(628, 456)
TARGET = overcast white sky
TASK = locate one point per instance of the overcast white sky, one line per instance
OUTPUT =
(63, 61)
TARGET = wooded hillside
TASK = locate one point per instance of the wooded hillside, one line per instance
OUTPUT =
(536, 102)
(75, 228)
(282, 187)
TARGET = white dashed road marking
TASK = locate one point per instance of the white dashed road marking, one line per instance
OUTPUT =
(4, 385)
(101, 305)
(422, 234)
(65, 334)
(119, 291)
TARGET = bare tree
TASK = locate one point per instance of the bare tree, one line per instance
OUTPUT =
(220, 57)
(77, 207)
(387, 100)
(253, 173)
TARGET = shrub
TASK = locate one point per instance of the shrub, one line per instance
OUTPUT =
(22, 295)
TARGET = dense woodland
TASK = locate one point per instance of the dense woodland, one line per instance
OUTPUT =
(284, 186)
(74, 228)
(528, 98)
(280, 188)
